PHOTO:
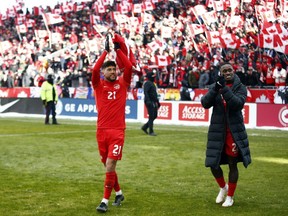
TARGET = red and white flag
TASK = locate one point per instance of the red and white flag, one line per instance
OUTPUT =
(52, 18)
(41, 33)
(153, 46)
(161, 60)
(66, 8)
(21, 28)
(195, 29)
(229, 41)
(219, 5)
(5, 45)
(166, 32)
(100, 8)
(137, 8)
(213, 37)
(209, 17)
(148, 6)
(234, 21)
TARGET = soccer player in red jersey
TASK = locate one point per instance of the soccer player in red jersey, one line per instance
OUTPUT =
(227, 137)
(110, 96)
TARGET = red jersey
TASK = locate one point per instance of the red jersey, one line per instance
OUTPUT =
(110, 97)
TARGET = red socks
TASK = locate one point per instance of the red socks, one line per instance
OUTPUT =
(116, 184)
(221, 182)
(231, 188)
(109, 184)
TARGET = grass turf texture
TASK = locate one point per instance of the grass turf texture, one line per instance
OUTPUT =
(55, 170)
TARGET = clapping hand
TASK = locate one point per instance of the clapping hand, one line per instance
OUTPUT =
(220, 83)
(107, 46)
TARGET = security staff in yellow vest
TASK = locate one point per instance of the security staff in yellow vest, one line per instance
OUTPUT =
(49, 97)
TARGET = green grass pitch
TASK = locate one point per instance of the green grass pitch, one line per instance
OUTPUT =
(53, 170)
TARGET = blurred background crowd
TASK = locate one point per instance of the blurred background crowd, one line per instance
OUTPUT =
(182, 42)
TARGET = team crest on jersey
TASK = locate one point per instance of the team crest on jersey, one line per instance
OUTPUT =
(116, 86)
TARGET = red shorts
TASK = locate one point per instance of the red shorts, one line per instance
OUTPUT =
(230, 146)
(110, 143)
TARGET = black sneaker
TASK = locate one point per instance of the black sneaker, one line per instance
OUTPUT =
(152, 134)
(145, 130)
(118, 200)
(102, 207)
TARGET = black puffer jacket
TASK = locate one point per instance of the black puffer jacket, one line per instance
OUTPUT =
(235, 98)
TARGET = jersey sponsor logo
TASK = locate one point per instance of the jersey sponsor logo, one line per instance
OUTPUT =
(193, 112)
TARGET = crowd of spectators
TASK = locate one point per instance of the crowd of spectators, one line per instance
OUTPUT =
(27, 57)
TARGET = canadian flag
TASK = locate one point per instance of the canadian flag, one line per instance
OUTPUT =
(269, 16)
(229, 41)
(209, 3)
(284, 5)
(272, 28)
(100, 8)
(154, 45)
(77, 7)
(195, 29)
(134, 23)
(41, 33)
(161, 60)
(265, 41)
(166, 32)
(198, 10)
(234, 21)
(213, 37)
(52, 18)
(123, 9)
(137, 8)
(210, 17)
(30, 23)
(66, 8)
(94, 19)
(149, 18)
(270, 4)
(218, 5)
(22, 28)
(147, 6)
(5, 45)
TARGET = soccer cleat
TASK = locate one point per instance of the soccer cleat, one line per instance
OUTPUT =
(222, 193)
(118, 200)
(102, 207)
(228, 201)
(152, 134)
(145, 130)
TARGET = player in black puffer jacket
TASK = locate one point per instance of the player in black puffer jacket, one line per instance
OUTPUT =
(227, 137)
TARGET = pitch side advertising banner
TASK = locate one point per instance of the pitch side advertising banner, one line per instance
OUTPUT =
(272, 115)
(193, 112)
(164, 112)
(87, 108)
(21, 105)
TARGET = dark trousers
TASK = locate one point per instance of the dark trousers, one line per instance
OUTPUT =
(50, 109)
(153, 113)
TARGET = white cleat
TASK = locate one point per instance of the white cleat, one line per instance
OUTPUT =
(228, 201)
(221, 195)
